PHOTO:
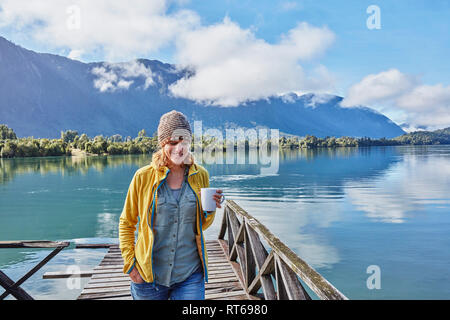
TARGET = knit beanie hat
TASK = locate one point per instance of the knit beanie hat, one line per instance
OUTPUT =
(172, 125)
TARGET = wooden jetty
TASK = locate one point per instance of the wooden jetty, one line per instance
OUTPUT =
(246, 262)
(107, 281)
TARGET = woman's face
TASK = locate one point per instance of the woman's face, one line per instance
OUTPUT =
(178, 151)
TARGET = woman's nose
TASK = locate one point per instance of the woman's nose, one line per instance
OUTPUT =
(179, 147)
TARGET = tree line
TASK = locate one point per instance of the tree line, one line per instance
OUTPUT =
(11, 146)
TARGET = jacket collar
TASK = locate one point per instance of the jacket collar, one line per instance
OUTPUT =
(162, 172)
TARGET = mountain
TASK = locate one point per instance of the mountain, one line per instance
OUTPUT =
(43, 94)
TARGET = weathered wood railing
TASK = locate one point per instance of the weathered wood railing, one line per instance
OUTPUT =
(14, 288)
(257, 266)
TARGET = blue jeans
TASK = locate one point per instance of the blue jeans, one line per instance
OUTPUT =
(193, 288)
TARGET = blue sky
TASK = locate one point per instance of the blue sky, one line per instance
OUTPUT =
(409, 52)
(414, 35)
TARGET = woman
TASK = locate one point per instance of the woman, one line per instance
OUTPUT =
(169, 259)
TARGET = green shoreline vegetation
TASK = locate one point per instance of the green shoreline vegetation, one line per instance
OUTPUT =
(73, 144)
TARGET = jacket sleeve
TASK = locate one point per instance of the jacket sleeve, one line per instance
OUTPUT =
(127, 225)
(207, 218)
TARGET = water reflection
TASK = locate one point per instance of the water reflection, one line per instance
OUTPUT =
(405, 189)
(10, 168)
(107, 223)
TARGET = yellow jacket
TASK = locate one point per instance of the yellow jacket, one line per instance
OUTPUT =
(141, 202)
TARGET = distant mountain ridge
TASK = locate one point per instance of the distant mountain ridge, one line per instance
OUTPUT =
(43, 94)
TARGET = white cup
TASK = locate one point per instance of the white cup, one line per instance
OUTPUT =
(208, 202)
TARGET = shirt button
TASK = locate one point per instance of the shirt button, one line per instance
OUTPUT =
(170, 264)
(174, 236)
(176, 221)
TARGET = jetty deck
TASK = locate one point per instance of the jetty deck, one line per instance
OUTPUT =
(246, 262)
(107, 281)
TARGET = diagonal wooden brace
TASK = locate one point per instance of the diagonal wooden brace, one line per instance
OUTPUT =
(14, 288)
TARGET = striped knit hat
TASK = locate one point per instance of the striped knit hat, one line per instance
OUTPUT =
(172, 125)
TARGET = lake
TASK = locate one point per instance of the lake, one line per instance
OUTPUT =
(344, 211)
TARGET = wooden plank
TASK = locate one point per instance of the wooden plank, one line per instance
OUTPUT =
(293, 287)
(219, 266)
(81, 274)
(109, 263)
(215, 253)
(281, 288)
(240, 297)
(114, 284)
(225, 271)
(228, 279)
(230, 284)
(222, 275)
(108, 279)
(119, 298)
(33, 244)
(212, 261)
(224, 294)
(250, 265)
(103, 295)
(94, 245)
(113, 266)
(217, 257)
(110, 275)
(104, 290)
(218, 263)
(62, 274)
(222, 290)
(223, 225)
(230, 231)
(260, 254)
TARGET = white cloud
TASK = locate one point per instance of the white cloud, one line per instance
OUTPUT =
(403, 96)
(112, 77)
(232, 65)
(320, 98)
(75, 54)
(119, 29)
(378, 87)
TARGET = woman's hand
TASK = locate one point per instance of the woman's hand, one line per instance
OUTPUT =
(135, 276)
(217, 198)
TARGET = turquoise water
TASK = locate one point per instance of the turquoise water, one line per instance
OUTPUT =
(341, 210)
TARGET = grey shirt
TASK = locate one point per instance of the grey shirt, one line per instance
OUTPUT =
(175, 254)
